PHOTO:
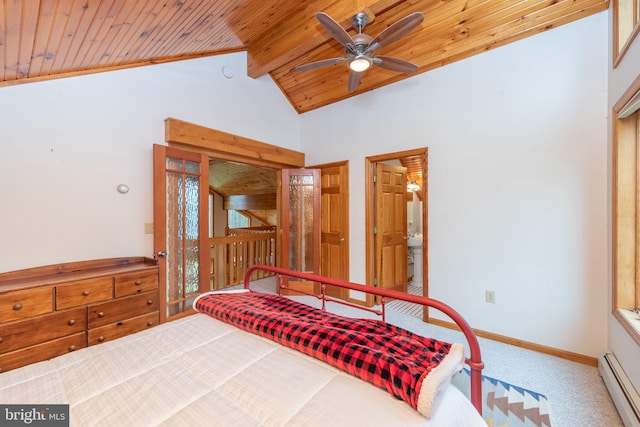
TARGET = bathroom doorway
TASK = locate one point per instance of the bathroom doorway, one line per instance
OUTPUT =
(415, 223)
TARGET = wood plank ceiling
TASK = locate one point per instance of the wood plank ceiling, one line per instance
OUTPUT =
(232, 178)
(47, 39)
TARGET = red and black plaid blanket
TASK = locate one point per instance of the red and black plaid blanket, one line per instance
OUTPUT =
(410, 367)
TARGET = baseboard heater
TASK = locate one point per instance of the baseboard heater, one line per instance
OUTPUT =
(624, 395)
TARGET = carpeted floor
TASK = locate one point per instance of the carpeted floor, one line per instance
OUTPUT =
(506, 405)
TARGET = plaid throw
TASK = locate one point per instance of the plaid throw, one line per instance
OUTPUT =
(410, 367)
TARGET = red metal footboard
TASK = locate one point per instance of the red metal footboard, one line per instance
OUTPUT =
(474, 360)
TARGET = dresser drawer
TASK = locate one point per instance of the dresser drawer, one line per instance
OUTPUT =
(122, 308)
(122, 328)
(83, 292)
(40, 352)
(16, 305)
(135, 283)
(23, 333)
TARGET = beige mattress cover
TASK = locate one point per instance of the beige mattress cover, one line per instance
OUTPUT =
(200, 371)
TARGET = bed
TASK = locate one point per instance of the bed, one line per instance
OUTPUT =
(200, 370)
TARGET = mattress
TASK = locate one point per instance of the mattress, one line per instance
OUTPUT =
(199, 371)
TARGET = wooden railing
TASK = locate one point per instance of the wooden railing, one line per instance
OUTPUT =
(232, 256)
(248, 230)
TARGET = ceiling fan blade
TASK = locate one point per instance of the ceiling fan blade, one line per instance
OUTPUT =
(395, 64)
(397, 30)
(354, 80)
(334, 29)
(318, 64)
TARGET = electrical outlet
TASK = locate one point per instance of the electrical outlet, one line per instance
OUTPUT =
(490, 297)
(148, 228)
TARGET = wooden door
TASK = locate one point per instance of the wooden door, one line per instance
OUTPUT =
(391, 227)
(180, 189)
(334, 229)
(298, 205)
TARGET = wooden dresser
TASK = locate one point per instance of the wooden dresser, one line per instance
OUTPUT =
(52, 310)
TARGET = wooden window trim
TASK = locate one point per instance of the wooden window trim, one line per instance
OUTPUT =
(626, 213)
(620, 47)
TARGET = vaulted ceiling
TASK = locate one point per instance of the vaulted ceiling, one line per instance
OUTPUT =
(47, 39)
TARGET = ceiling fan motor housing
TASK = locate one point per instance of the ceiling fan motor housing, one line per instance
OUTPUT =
(361, 42)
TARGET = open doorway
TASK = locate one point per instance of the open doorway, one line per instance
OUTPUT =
(415, 164)
(242, 220)
(251, 190)
(210, 145)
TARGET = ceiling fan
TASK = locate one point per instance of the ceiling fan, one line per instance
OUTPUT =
(359, 48)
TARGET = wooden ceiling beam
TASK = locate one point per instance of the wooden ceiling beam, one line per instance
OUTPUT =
(301, 32)
(248, 202)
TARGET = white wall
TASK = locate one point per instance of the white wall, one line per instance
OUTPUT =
(620, 79)
(517, 180)
(516, 137)
(66, 144)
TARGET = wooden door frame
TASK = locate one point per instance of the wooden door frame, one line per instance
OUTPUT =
(225, 146)
(370, 162)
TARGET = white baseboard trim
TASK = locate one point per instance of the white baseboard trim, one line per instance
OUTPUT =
(622, 392)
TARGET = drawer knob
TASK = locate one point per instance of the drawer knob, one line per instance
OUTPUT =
(85, 293)
(17, 306)
(1, 340)
(149, 323)
(100, 339)
(138, 282)
(101, 314)
(149, 301)
(71, 322)
(71, 348)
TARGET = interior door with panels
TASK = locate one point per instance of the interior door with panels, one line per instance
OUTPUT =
(391, 227)
(334, 224)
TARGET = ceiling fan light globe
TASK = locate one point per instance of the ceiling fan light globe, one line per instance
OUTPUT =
(359, 64)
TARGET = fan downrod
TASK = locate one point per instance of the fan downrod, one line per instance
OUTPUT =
(359, 21)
